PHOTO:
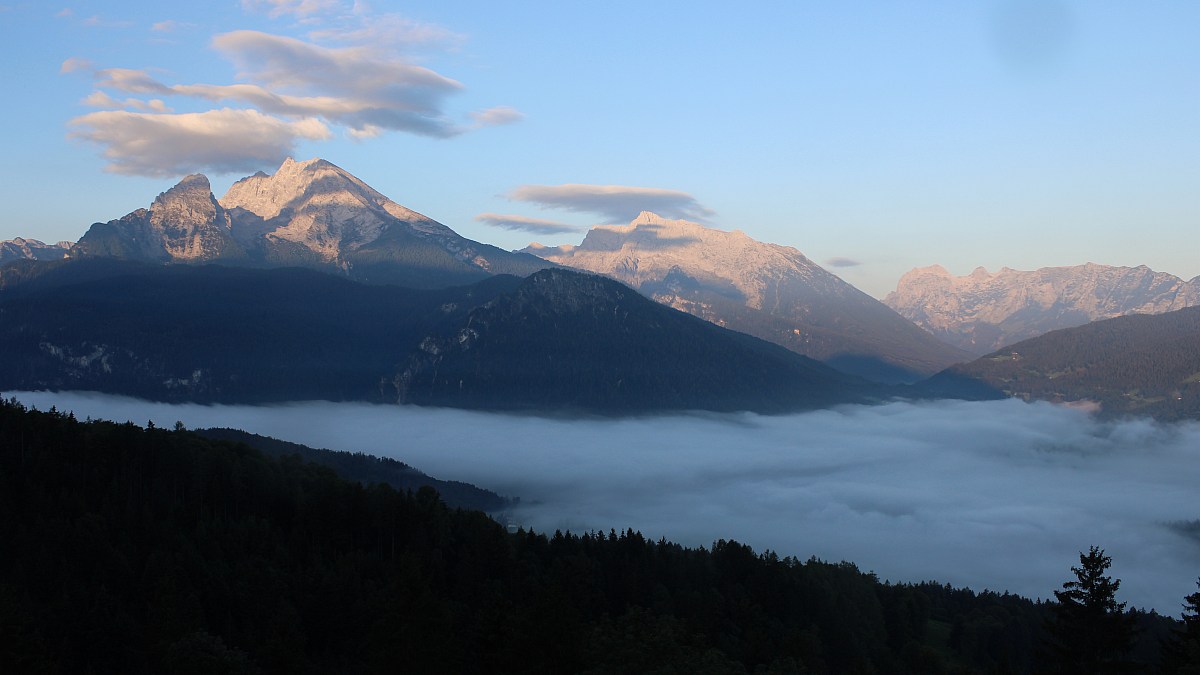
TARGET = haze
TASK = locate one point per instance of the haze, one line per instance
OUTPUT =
(999, 495)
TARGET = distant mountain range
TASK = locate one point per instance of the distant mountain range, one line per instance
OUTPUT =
(1141, 364)
(32, 249)
(558, 340)
(308, 214)
(983, 311)
(772, 292)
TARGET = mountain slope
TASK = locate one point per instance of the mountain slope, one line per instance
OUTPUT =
(238, 335)
(309, 214)
(982, 312)
(1141, 364)
(769, 291)
(565, 339)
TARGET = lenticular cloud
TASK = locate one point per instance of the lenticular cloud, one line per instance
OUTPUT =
(1000, 495)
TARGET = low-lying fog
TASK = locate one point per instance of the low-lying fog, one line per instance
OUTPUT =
(1000, 495)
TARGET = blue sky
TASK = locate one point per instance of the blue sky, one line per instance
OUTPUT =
(1020, 133)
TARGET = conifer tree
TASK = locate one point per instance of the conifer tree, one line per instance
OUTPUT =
(1090, 631)
(1182, 653)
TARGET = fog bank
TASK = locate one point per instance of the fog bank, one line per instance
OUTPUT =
(1000, 494)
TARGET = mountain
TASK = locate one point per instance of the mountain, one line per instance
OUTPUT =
(31, 249)
(310, 214)
(984, 311)
(558, 340)
(1140, 364)
(772, 292)
(184, 224)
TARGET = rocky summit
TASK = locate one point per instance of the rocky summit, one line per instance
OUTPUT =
(984, 311)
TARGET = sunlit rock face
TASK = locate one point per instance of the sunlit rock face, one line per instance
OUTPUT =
(770, 291)
(309, 214)
(983, 311)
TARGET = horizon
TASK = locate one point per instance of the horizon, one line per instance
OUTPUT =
(1010, 133)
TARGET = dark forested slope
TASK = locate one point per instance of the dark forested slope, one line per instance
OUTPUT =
(557, 340)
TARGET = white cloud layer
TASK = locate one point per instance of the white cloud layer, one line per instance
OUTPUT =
(524, 224)
(617, 203)
(1000, 495)
(168, 145)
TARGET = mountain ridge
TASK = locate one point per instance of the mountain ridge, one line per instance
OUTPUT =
(770, 291)
(981, 312)
(309, 214)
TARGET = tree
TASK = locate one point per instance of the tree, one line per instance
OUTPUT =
(1182, 653)
(1090, 632)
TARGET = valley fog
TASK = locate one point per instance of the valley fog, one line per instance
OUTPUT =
(999, 495)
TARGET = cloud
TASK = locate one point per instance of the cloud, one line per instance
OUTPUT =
(366, 88)
(999, 495)
(166, 145)
(615, 202)
(170, 26)
(524, 224)
(839, 261)
(298, 8)
(75, 64)
(391, 31)
(99, 99)
(496, 116)
(356, 87)
(64, 13)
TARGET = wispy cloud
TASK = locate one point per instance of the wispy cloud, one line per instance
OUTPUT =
(496, 116)
(839, 261)
(99, 99)
(75, 64)
(297, 8)
(223, 141)
(525, 224)
(170, 26)
(617, 203)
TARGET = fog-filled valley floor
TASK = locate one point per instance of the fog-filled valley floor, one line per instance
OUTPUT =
(1000, 495)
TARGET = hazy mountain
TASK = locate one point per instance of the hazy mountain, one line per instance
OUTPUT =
(772, 292)
(31, 249)
(984, 311)
(557, 340)
(1141, 364)
(311, 214)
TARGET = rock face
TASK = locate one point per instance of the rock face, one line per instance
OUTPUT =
(32, 249)
(772, 292)
(308, 214)
(983, 311)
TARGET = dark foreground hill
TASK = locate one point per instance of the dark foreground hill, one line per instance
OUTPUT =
(1137, 365)
(558, 340)
(368, 469)
(137, 551)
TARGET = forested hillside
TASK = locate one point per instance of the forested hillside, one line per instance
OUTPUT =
(131, 550)
(1142, 364)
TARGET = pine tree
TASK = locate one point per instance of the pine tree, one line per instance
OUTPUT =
(1091, 632)
(1182, 653)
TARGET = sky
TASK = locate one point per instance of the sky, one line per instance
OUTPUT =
(874, 137)
(999, 495)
